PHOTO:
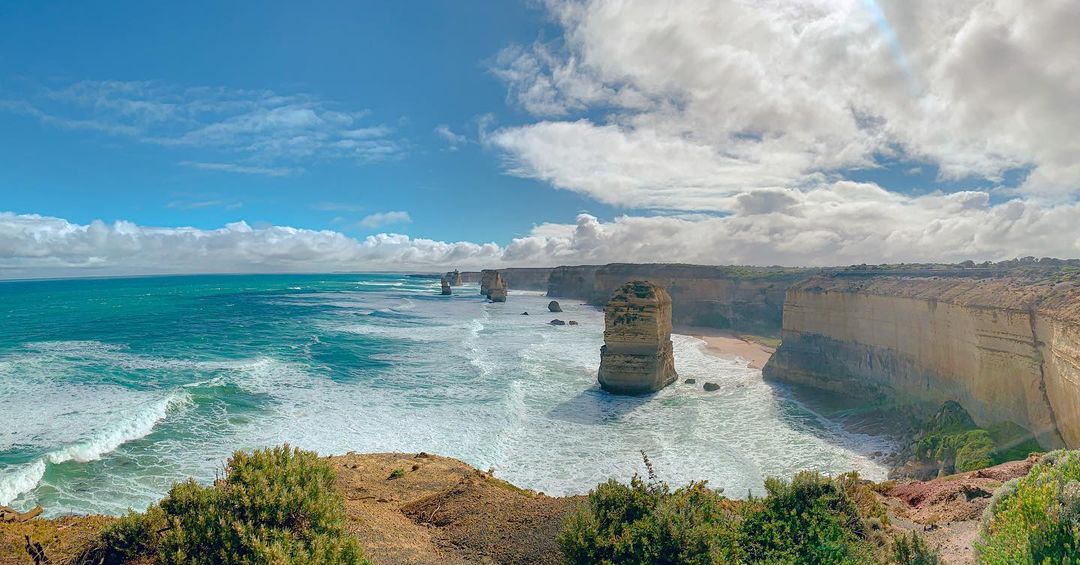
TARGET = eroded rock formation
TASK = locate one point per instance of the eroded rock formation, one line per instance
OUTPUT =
(553, 306)
(637, 354)
(487, 276)
(1006, 348)
(445, 287)
(497, 290)
(454, 278)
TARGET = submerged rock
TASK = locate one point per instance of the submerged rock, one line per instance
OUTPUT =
(553, 306)
(690, 381)
(637, 355)
(572, 323)
(709, 387)
(557, 322)
(524, 313)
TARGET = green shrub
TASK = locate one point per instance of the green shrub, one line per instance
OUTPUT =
(913, 551)
(647, 522)
(812, 519)
(1037, 518)
(273, 506)
(133, 535)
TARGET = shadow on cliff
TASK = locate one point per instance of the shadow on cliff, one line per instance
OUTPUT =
(593, 406)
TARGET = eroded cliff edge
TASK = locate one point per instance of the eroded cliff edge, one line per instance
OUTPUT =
(736, 297)
(1006, 347)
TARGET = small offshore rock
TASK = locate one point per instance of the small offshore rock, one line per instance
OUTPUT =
(572, 323)
(690, 381)
(553, 306)
(709, 387)
(524, 313)
(557, 322)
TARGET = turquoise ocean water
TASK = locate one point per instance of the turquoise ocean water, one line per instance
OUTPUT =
(112, 389)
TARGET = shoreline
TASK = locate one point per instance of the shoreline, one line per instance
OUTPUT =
(727, 344)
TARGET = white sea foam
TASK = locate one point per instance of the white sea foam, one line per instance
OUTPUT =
(22, 479)
(135, 423)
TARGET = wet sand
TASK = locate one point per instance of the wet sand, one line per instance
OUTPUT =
(728, 344)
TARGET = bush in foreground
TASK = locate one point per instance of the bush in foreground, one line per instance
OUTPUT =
(1036, 519)
(273, 506)
(812, 519)
(647, 522)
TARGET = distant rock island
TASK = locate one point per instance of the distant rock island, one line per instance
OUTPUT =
(637, 355)
(445, 286)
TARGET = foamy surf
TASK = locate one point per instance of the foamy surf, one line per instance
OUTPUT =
(138, 424)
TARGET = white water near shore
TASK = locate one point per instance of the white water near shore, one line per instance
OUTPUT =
(458, 377)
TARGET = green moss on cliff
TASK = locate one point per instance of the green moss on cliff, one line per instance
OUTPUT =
(951, 438)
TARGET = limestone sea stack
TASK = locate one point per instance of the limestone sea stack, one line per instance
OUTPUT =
(487, 276)
(497, 290)
(454, 278)
(445, 287)
(553, 306)
(637, 356)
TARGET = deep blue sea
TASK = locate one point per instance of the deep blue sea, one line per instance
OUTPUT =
(112, 389)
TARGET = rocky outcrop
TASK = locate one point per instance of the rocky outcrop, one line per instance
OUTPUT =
(454, 278)
(497, 290)
(554, 306)
(637, 354)
(743, 298)
(445, 287)
(487, 276)
(1005, 347)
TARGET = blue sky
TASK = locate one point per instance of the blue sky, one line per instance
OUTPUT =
(422, 135)
(411, 66)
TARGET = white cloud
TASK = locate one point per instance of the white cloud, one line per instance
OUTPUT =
(260, 129)
(242, 169)
(705, 99)
(831, 224)
(380, 219)
(453, 139)
(33, 245)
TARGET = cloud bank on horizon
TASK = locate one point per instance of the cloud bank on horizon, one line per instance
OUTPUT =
(736, 125)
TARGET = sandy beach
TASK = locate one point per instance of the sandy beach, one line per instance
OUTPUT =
(729, 344)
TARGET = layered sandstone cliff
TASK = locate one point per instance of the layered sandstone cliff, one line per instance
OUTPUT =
(1006, 347)
(743, 298)
(637, 353)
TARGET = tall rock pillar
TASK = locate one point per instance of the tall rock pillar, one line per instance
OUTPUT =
(637, 355)
(497, 290)
(487, 276)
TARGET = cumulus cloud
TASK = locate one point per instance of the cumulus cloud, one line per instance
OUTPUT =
(832, 224)
(702, 100)
(259, 129)
(33, 245)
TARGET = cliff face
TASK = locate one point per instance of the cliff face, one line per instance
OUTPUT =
(637, 353)
(1005, 348)
(744, 298)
